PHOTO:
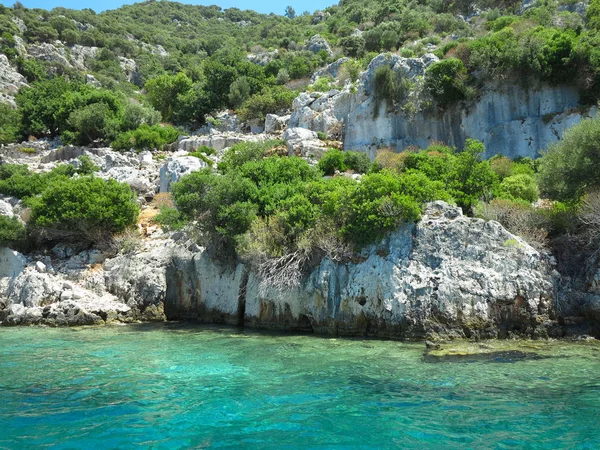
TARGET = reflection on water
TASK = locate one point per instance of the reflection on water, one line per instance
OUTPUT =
(168, 386)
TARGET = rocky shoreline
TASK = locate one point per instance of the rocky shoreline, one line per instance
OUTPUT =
(446, 277)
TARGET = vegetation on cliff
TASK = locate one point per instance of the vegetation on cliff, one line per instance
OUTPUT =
(194, 60)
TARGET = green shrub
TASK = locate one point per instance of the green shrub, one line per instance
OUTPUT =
(370, 208)
(202, 156)
(571, 166)
(332, 160)
(222, 201)
(12, 233)
(10, 124)
(171, 219)
(520, 186)
(359, 162)
(239, 92)
(269, 101)
(322, 136)
(239, 154)
(390, 86)
(86, 166)
(445, 81)
(146, 137)
(323, 84)
(84, 208)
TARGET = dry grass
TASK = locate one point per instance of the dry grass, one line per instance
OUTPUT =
(163, 200)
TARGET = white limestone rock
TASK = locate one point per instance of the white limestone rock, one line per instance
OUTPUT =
(275, 123)
(6, 209)
(303, 142)
(176, 167)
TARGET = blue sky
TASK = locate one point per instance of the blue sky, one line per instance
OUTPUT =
(269, 6)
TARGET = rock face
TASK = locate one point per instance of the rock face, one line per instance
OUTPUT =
(317, 44)
(446, 276)
(509, 118)
(275, 123)
(303, 142)
(217, 141)
(10, 81)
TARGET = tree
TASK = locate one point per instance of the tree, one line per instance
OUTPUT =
(571, 166)
(164, 90)
(445, 81)
(10, 124)
(289, 12)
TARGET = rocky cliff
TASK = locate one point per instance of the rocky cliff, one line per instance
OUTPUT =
(447, 276)
(510, 118)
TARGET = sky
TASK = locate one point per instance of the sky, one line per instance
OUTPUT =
(268, 6)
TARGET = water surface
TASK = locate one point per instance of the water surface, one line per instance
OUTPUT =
(173, 386)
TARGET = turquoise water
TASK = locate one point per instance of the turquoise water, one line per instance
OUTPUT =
(170, 386)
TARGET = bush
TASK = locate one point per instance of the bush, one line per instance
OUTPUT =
(239, 154)
(136, 115)
(10, 124)
(370, 208)
(269, 101)
(519, 187)
(239, 92)
(572, 165)
(146, 137)
(445, 81)
(171, 219)
(221, 201)
(85, 208)
(390, 86)
(359, 162)
(12, 233)
(332, 160)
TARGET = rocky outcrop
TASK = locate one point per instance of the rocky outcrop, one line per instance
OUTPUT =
(52, 53)
(318, 43)
(509, 118)
(177, 167)
(217, 141)
(10, 81)
(305, 143)
(331, 70)
(80, 55)
(275, 123)
(316, 112)
(447, 276)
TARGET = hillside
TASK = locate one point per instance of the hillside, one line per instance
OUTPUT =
(188, 61)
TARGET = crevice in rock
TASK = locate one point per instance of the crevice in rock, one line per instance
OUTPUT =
(241, 309)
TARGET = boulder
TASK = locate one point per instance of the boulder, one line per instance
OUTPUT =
(12, 263)
(275, 123)
(133, 177)
(318, 43)
(331, 70)
(303, 142)
(176, 167)
(6, 209)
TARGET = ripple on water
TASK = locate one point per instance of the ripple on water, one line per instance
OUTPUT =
(196, 387)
